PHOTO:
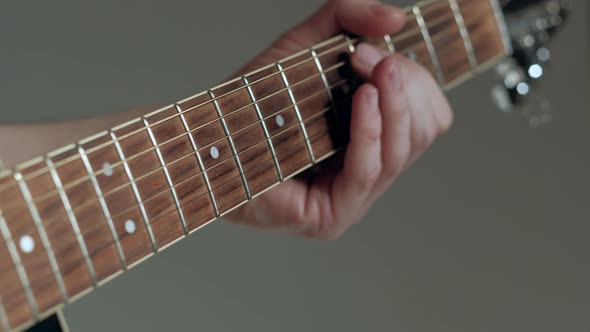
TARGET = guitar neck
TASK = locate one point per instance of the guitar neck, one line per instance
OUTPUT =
(77, 217)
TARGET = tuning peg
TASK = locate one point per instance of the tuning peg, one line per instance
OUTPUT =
(516, 92)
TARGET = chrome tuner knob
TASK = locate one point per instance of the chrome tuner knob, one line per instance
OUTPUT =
(516, 92)
(531, 28)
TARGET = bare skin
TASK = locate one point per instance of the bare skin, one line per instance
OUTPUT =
(396, 115)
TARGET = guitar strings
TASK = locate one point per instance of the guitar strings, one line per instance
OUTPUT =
(161, 216)
(116, 164)
(201, 172)
(80, 180)
(220, 163)
(262, 142)
(416, 32)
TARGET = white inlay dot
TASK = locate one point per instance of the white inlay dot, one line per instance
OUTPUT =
(130, 226)
(107, 168)
(214, 152)
(412, 55)
(26, 244)
(280, 120)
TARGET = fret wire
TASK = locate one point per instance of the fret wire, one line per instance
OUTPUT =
(4, 324)
(502, 26)
(464, 34)
(101, 195)
(199, 160)
(262, 142)
(139, 154)
(167, 175)
(135, 191)
(320, 69)
(248, 149)
(42, 234)
(296, 108)
(429, 45)
(231, 144)
(351, 46)
(264, 128)
(20, 269)
(103, 205)
(73, 220)
(389, 43)
(436, 36)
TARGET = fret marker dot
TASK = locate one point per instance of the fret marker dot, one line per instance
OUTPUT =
(214, 152)
(26, 244)
(130, 226)
(107, 169)
(412, 55)
(280, 120)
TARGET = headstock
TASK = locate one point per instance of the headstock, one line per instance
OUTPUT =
(532, 24)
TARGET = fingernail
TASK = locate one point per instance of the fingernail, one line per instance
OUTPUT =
(368, 55)
(373, 98)
(394, 77)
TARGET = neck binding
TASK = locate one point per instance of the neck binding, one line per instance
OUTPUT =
(81, 215)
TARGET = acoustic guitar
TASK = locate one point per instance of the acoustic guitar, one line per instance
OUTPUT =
(79, 216)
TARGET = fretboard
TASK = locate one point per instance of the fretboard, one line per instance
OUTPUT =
(76, 217)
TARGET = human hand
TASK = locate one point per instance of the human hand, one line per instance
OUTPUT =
(396, 116)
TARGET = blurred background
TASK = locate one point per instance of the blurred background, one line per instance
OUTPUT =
(490, 231)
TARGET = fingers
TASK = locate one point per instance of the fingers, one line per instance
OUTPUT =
(361, 17)
(368, 18)
(362, 164)
(365, 58)
(391, 76)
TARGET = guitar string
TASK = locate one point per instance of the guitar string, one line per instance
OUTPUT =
(75, 182)
(416, 32)
(159, 218)
(196, 175)
(80, 180)
(192, 154)
(264, 141)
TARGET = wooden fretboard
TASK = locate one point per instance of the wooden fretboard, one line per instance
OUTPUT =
(77, 217)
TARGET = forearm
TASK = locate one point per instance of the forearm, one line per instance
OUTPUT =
(21, 142)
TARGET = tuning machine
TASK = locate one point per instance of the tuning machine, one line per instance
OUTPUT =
(531, 30)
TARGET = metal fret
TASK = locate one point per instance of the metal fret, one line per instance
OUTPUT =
(199, 160)
(42, 234)
(4, 324)
(231, 143)
(389, 43)
(20, 269)
(103, 205)
(320, 68)
(167, 174)
(72, 217)
(135, 191)
(292, 97)
(497, 8)
(350, 44)
(429, 45)
(464, 34)
(266, 134)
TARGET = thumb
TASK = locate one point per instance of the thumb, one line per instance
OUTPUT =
(367, 18)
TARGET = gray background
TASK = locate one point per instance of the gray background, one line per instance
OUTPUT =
(488, 232)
